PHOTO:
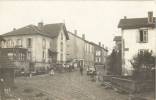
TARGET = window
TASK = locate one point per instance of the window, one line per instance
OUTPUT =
(29, 42)
(98, 53)
(19, 42)
(43, 55)
(142, 51)
(10, 43)
(62, 46)
(43, 43)
(143, 36)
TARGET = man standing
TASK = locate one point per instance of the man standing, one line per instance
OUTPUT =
(81, 67)
(81, 70)
(2, 93)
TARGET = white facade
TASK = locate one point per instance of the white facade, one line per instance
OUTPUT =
(131, 45)
(61, 47)
(39, 47)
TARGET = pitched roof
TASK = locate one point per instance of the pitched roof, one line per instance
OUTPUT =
(50, 30)
(132, 23)
(75, 35)
(98, 46)
(117, 38)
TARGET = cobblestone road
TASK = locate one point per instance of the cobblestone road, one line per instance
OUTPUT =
(71, 86)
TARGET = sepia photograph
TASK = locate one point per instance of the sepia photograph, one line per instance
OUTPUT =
(77, 49)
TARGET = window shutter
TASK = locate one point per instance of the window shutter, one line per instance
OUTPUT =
(147, 36)
(137, 36)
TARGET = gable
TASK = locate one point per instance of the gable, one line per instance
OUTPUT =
(49, 30)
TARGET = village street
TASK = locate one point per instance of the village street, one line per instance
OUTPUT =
(70, 86)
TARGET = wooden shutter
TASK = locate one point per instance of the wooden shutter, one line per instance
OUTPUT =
(138, 36)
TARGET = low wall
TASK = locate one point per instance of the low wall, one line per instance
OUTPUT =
(127, 84)
(108, 78)
(131, 85)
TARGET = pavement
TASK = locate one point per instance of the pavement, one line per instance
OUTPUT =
(66, 86)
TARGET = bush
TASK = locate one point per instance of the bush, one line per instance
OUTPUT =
(143, 63)
(114, 63)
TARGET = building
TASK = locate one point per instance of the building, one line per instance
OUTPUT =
(138, 35)
(43, 44)
(75, 47)
(89, 53)
(100, 54)
(79, 49)
(117, 40)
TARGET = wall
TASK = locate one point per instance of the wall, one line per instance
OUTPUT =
(89, 54)
(36, 49)
(75, 47)
(59, 52)
(130, 42)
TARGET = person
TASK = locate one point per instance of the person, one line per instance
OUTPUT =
(81, 70)
(2, 85)
(51, 71)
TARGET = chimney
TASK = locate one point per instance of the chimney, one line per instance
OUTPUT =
(83, 36)
(75, 32)
(40, 25)
(100, 44)
(150, 17)
(103, 45)
(125, 17)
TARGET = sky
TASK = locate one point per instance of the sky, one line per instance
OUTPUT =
(98, 20)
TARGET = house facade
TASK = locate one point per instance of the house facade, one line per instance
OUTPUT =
(75, 47)
(78, 48)
(100, 54)
(138, 35)
(89, 54)
(45, 44)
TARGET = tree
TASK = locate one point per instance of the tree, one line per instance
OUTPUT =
(114, 62)
(143, 64)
